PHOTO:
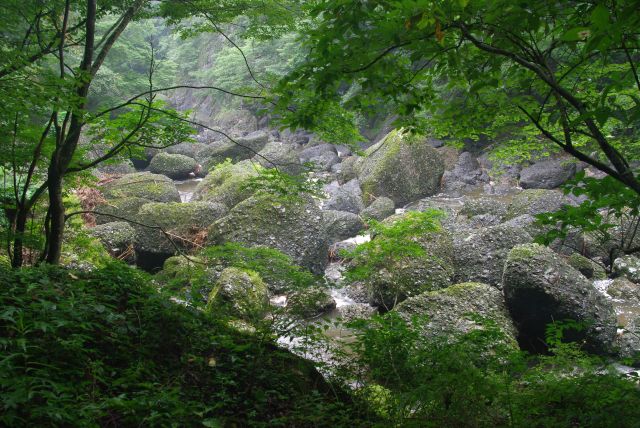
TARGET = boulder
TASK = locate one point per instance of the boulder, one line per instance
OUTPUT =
(347, 197)
(121, 168)
(537, 201)
(628, 342)
(479, 254)
(186, 149)
(310, 302)
(355, 311)
(296, 228)
(240, 149)
(541, 288)
(624, 290)
(240, 292)
(118, 238)
(340, 225)
(484, 205)
(121, 208)
(627, 266)
(280, 155)
(176, 167)
(315, 152)
(402, 167)
(226, 184)
(547, 174)
(347, 171)
(466, 174)
(325, 161)
(154, 187)
(587, 267)
(450, 312)
(182, 221)
(379, 209)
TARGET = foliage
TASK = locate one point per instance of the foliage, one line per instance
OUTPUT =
(106, 349)
(391, 241)
(610, 213)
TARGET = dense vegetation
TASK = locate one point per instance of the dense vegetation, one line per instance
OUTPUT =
(278, 113)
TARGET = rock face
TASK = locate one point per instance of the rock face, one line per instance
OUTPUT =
(295, 228)
(118, 238)
(347, 197)
(341, 225)
(410, 276)
(540, 288)
(242, 293)
(448, 311)
(173, 166)
(480, 253)
(547, 174)
(225, 184)
(181, 220)
(401, 167)
(629, 267)
(153, 187)
(379, 209)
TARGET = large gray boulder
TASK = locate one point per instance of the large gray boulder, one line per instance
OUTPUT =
(240, 148)
(316, 152)
(480, 253)
(347, 197)
(541, 288)
(277, 154)
(381, 208)
(154, 187)
(466, 174)
(450, 312)
(173, 166)
(401, 167)
(340, 225)
(186, 149)
(537, 201)
(296, 228)
(226, 184)
(547, 174)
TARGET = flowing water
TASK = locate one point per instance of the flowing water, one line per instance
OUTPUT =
(186, 188)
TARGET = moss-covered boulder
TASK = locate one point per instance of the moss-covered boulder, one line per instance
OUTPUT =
(340, 225)
(379, 209)
(240, 149)
(401, 167)
(586, 266)
(118, 238)
(173, 165)
(495, 206)
(480, 253)
(461, 309)
(541, 288)
(154, 187)
(181, 224)
(119, 209)
(240, 292)
(277, 154)
(294, 227)
(310, 302)
(226, 184)
(537, 201)
(410, 275)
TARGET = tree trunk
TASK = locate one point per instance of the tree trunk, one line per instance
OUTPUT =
(56, 213)
(18, 242)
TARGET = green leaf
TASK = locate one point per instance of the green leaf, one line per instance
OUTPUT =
(576, 34)
(600, 16)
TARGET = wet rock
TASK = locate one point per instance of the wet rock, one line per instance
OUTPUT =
(480, 254)
(226, 184)
(347, 197)
(541, 288)
(401, 167)
(379, 209)
(154, 187)
(340, 225)
(629, 267)
(173, 166)
(547, 174)
(295, 228)
(450, 312)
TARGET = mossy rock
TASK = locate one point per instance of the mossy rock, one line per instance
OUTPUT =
(340, 225)
(586, 266)
(402, 167)
(450, 312)
(484, 205)
(121, 208)
(173, 165)
(412, 275)
(225, 184)
(240, 292)
(379, 209)
(154, 187)
(117, 237)
(541, 288)
(536, 201)
(242, 148)
(294, 227)
(310, 302)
